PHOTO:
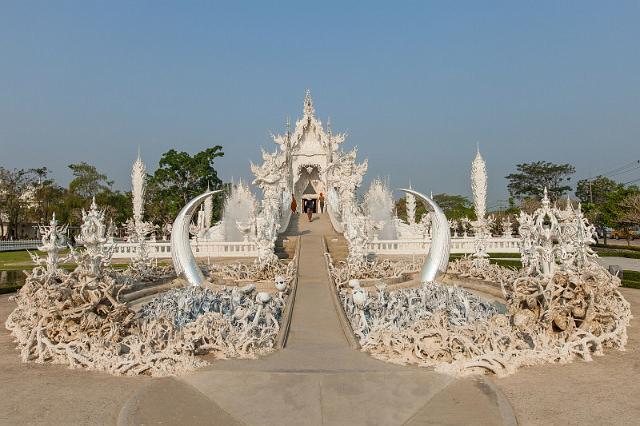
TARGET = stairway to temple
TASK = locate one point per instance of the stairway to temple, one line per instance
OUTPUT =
(285, 247)
(337, 247)
(299, 225)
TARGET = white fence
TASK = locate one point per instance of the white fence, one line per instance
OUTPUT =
(162, 249)
(458, 245)
(19, 245)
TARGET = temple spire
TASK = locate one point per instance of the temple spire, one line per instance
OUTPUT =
(308, 104)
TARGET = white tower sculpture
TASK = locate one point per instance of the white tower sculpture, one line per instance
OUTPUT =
(138, 188)
(137, 228)
(479, 187)
(480, 225)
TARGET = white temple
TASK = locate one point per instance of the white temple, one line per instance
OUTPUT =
(308, 160)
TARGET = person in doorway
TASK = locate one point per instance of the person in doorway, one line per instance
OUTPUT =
(321, 199)
(294, 204)
(309, 209)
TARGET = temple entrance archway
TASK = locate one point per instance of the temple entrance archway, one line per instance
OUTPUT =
(308, 186)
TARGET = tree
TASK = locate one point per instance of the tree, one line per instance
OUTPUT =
(48, 196)
(594, 195)
(117, 205)
(631, 205)
(87, 182)
(595, 191)
(179, 178)
(613, 210)
(453, 206)
(16, 198)
(531, 178)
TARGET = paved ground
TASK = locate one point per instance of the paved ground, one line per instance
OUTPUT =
(623, 262)
(319, 379)
(603, 391)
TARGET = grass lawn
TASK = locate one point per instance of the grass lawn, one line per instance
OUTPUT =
(630, 279)
(11, 259)
(619, 246)
(513, 264)
(607, 252)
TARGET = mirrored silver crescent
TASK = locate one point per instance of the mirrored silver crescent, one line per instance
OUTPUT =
(184, 262)
(437, 259)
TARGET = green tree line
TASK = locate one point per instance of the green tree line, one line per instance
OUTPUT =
(605, 202)
(33, 196)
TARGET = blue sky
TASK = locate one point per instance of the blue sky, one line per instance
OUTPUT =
(415, 84)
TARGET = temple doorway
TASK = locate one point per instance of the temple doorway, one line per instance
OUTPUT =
(308, 187)
(311, 203)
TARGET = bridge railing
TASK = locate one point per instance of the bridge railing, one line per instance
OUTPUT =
(13, 245)
(458, 245)
(162, 249)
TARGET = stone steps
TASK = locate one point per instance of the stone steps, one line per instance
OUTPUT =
(285, 247)
(337, 247)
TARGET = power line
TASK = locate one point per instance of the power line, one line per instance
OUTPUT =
(618, 168)
(631, 181)
(616, 171)
(622, 172)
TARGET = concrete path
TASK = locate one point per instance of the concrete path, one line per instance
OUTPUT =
(318, 379)
(623, 262)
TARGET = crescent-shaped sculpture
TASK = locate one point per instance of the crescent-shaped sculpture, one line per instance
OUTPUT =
(184, 262)
(437, 259)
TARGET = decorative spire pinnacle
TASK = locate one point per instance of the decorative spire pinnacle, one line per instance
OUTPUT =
(545, 198)
(479, 185)
(329, 130)
(569, 206)
(308, 104)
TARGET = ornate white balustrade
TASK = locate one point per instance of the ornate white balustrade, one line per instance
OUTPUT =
(162, 249)
(12, 245)
(458, 245)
